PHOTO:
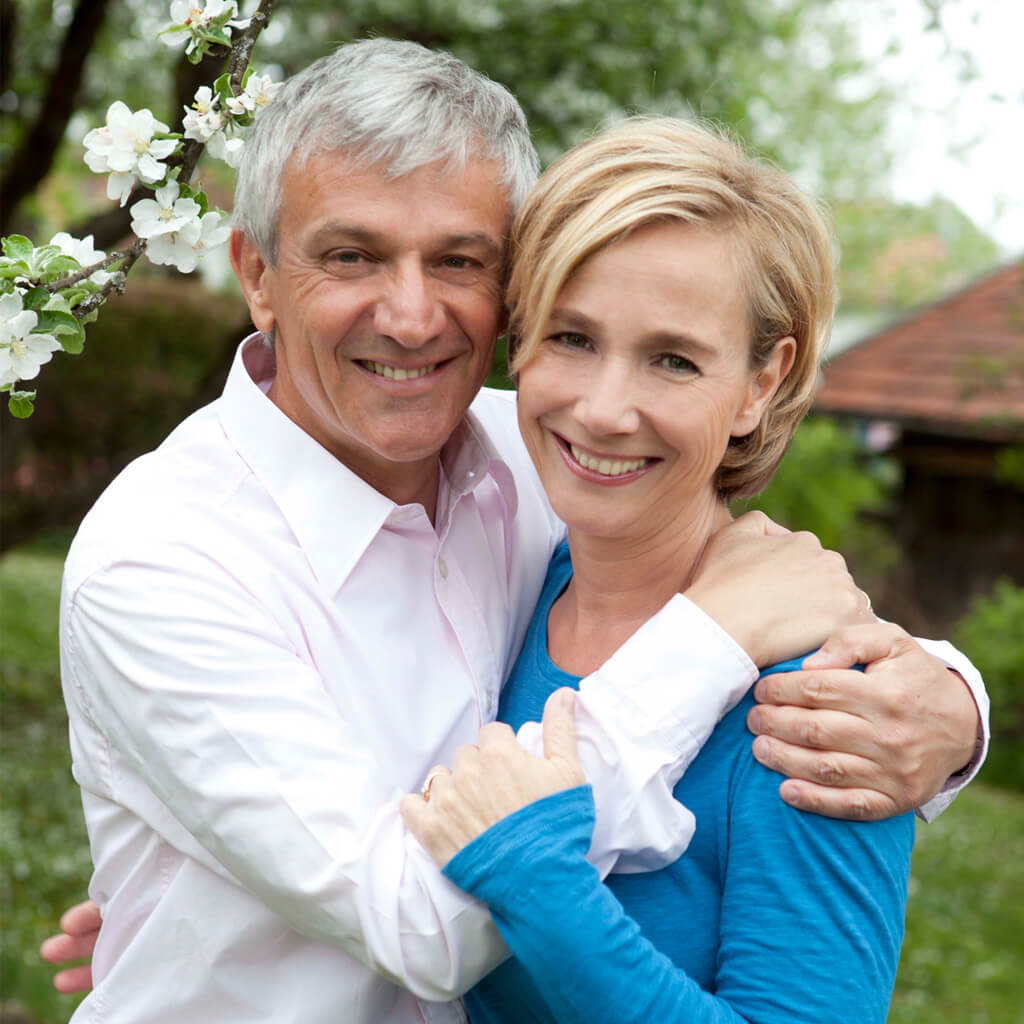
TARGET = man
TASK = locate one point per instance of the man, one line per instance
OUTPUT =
(275, 624)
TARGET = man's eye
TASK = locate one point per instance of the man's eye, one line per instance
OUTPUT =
(676, 363)
(456, 262)
(347, 256)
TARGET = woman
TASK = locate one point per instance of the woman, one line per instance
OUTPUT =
(669, 299)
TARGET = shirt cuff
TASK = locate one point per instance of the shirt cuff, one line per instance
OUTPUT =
(674, 678)
(959, 663)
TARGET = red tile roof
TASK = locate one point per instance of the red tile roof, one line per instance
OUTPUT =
(955, 367)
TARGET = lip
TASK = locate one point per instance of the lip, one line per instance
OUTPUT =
(592, 476)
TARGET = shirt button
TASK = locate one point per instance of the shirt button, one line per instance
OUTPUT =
(442, 568)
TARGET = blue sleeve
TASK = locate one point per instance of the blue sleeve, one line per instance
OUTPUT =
(811, 922)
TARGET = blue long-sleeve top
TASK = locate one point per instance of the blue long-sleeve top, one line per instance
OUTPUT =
(771, 916)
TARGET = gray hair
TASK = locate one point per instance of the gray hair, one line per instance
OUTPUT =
(381, 100)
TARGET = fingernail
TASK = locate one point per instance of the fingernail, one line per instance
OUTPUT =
(754, 720)
(763, 751)
(792, 795)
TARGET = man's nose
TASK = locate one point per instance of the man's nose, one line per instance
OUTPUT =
(409, 311)
(607, 402)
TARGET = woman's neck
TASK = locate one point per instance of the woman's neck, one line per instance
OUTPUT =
(619, 583)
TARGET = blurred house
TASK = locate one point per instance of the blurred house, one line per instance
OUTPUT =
(943, 392)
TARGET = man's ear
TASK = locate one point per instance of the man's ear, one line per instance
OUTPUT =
(763, 385)
(252, 273)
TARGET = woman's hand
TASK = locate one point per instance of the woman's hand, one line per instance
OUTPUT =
(778, 594)
(491, 780)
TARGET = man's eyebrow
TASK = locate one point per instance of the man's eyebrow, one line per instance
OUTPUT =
(487, 245)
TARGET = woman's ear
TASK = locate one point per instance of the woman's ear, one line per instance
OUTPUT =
(763, 385)
(252, 273)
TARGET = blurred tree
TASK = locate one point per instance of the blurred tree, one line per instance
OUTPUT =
(898, 255)
(785, 75)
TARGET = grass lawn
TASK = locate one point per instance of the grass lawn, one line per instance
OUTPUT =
(963, 958)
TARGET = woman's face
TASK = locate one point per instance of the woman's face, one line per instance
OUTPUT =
(641, 377)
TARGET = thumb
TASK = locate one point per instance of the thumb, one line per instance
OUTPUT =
(852, 646)
(559, 725)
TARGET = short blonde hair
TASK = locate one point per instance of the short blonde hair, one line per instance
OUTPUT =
(654, 169)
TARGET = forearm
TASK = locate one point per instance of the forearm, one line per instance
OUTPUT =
(641, 719)
(246, 764)
(586, 957)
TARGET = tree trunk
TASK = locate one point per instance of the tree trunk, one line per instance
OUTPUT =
(35, 155)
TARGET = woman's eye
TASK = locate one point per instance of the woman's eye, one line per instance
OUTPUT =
(676, 363)
(456, 262)
(569, 340)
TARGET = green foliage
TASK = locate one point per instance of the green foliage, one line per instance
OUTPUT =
(965, 919)
(898, 255)
(826, 485)
(992, 635)
(44, 859)
(1010, 466)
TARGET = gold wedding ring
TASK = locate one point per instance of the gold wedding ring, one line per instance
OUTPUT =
(425, 790)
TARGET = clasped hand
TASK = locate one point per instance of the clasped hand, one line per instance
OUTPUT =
(492, 779)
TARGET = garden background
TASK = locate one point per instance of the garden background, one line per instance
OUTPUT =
(815, 84)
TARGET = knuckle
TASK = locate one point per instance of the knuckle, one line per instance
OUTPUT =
(861, 807)
(817, 690)
(831, 772)
(813, 733)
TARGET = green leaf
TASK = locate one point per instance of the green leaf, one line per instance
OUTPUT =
(57, 323)
(17, 247)
(73, 344)
(60, 266)
(222, 87)
(20, 404)
(58, 302)
(35, 298)
(13, 269)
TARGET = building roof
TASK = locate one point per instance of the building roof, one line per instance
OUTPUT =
(955, 367)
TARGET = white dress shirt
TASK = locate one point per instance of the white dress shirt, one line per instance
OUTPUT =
(261, 655)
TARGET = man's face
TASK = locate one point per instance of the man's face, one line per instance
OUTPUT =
(386, 302)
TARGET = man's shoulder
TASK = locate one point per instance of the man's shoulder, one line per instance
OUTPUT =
(160, 498)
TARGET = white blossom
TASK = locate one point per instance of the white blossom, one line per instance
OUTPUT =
(226, 147)
(190, 17)
(202, 121)
(82, 250)
(125, 147)
(185, 247)
(21, 351)
(168, 213)
(258, 92)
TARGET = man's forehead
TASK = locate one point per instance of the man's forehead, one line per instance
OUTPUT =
(336, 195)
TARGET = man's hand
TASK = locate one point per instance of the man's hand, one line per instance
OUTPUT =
(80, 928)
(864, 745)
(493, 779)
(778, 594)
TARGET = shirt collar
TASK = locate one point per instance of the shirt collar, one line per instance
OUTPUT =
(333, 513)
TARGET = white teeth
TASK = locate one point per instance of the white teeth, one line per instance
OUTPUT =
(606, 467)
(396, 372)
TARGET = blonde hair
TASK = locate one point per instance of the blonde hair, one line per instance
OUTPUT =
(654, 169)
